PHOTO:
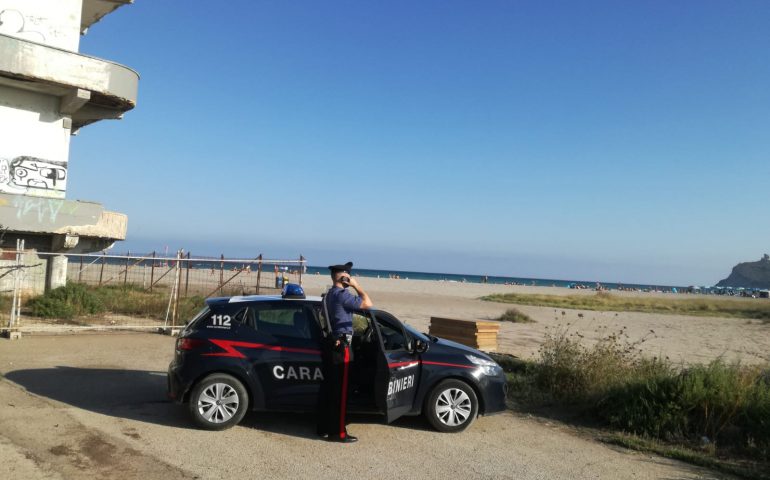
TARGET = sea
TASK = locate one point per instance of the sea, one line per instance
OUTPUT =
(445, 277)
(499, 280)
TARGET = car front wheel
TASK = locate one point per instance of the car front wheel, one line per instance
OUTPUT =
(219, 401)
(452, 406)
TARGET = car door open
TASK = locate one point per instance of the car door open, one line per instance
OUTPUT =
(398, 367)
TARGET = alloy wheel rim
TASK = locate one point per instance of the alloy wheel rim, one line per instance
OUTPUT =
(453, 407)
(218, 403)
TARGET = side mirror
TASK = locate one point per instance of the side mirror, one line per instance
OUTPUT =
(420, 346)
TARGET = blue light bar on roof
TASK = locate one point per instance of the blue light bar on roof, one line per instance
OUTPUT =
(292, 290)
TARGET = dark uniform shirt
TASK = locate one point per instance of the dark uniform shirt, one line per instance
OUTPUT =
(341, 304)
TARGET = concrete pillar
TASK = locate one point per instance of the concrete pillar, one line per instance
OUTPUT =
(57, 272)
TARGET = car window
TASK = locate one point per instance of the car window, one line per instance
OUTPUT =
(319, 310)
(360, 324)
(244, 316)
(392, 336)
(283, 320)
(360, 321)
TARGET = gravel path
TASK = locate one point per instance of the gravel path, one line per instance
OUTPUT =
(93, 406)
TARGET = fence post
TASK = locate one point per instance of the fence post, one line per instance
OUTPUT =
(21, 285)
(101, 270)
(187, 275)
(13, 320)
(179, 257)
(301, 266)
(125, 275)
(221, 272)
(152, 271)
(259, 270)
(80, 272)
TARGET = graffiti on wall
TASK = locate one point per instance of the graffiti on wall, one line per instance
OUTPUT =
(12, 23)
(44, 210)
(33, 176)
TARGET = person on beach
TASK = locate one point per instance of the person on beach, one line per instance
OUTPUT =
(339, 305)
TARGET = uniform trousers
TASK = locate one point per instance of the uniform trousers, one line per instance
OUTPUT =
(333, 396)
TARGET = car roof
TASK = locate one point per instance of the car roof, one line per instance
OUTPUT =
(256, 298)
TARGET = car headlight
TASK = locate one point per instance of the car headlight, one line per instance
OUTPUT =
(488, 367)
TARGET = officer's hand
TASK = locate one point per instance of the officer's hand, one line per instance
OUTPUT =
(337, 344)
(353, 282)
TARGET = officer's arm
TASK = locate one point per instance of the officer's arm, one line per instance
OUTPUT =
(366, 301)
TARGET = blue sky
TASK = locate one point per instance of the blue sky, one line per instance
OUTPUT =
(615, 141)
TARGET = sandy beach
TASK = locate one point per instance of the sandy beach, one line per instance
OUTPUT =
(682, 338)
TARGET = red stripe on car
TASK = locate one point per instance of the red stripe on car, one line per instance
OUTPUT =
(403, 364)
(229, 347)
(447, 364)
(425, 362)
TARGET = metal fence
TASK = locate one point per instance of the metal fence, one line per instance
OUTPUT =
(146, 291)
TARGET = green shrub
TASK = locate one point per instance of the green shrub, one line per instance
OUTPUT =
(515, 316)
(649, 406)
(722, 407)
(755, 417)
(728, 404)
(66, 302)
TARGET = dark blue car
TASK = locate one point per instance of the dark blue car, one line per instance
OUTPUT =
(262, 353)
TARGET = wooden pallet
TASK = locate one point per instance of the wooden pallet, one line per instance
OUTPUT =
(476, 334)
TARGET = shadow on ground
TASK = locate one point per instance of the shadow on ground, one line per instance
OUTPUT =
(141, 395)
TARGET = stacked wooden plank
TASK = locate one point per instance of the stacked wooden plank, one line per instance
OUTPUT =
(476, 334)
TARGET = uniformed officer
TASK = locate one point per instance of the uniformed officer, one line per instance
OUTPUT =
(339, 305)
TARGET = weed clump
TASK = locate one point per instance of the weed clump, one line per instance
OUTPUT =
(515, 316)
(570, 370)
(66, 302)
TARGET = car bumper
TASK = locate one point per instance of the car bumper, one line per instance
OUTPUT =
(176, 387)
(494, 390)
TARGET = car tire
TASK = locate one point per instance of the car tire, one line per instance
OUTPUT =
(451, 406)
(218, 402)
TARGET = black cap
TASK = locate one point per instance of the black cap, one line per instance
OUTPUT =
(341, 268)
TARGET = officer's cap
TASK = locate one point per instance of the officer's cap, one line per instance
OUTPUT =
(341, 268)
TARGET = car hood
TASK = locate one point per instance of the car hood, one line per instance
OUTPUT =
(442, 345)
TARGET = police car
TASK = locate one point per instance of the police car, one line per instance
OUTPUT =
(263, 353)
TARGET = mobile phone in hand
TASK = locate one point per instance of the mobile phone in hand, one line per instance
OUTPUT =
(345, 280)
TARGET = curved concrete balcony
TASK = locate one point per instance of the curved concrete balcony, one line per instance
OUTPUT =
(82, 226)
(91, 89)
(94, 10)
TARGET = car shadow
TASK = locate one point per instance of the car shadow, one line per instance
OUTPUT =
(131, 394)
(141, 395)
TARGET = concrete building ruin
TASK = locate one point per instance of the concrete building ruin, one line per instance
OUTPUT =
(48, 92)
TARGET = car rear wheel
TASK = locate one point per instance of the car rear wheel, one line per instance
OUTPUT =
(219, 401)
(452, 406)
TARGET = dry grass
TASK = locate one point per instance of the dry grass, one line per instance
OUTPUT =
(602, 301)
(77, 300)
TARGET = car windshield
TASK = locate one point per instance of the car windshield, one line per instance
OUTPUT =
(415, 334)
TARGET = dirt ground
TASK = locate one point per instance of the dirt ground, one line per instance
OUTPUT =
(94, 406)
